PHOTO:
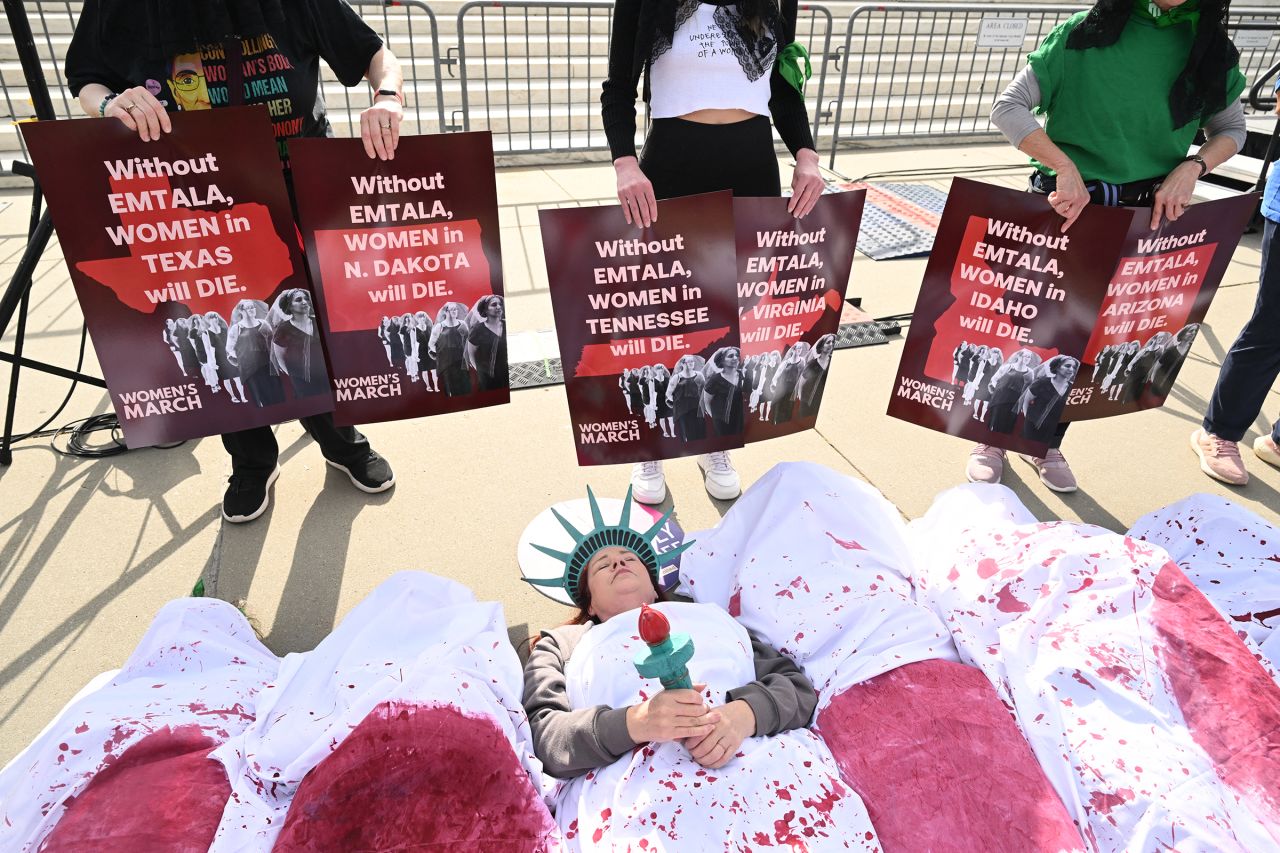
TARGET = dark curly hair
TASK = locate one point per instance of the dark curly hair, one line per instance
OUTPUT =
(1201, 87)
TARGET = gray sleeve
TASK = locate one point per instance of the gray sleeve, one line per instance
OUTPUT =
(568, 742)
(781, 697)
(1012, 111)
(1229, 123)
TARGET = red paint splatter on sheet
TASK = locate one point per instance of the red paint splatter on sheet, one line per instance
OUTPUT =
(929, 748)
(1007, 602)
(1104, 803)
(1231, 705)
(735, 602)
(184, 792)
(847, 544)
(369, 794)
(987, 567)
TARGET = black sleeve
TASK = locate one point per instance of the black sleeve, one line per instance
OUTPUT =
(85, 62)
(781, 697)
(619, 92)
(785, 103)
(344, 41)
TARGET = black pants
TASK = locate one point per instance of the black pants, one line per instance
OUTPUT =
(1253, 362)
(254, 451)
(686, 158)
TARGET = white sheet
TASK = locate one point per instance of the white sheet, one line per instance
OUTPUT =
(781, 791)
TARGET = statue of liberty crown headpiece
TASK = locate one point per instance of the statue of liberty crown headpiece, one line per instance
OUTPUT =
(585, 546)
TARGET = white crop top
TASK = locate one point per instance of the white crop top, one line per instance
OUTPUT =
(700, 72)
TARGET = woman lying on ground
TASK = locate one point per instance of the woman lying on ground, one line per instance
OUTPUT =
(640, 758)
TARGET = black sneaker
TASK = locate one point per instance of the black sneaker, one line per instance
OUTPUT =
(371, 474)
(247, 497)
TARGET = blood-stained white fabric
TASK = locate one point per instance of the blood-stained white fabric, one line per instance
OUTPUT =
(415, 639)
(199, 664)
(1065, 620)
(781, 791)
(1232, 556)
(815, 563)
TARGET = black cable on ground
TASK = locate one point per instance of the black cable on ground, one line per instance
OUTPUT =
(42, 430)
(932, 172)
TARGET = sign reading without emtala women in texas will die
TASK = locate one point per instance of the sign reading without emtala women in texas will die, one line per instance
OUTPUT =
(185, 260)
(408, 272)
(647, 320)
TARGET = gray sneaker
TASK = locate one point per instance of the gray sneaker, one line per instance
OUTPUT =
(986, 464)
(1054, 471)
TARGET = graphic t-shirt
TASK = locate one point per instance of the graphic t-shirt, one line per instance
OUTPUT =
(280, 69)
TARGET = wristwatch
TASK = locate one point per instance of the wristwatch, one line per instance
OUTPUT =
(1196, 158)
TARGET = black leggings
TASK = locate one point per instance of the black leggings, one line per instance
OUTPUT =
(685, 158)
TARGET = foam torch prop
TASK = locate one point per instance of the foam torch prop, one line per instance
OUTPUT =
(668, 654)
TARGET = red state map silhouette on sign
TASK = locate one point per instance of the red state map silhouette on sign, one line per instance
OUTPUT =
(948, 332)
(240, 242)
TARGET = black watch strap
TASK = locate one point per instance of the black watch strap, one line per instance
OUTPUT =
(391, 93)
(1196, 158)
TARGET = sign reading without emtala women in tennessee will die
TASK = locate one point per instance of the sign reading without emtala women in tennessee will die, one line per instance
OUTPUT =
(1005, 310)
(408, 271)
(647, 320)
(185, 260)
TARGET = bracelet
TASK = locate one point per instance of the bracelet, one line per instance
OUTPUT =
(390, 93)
(1196, 158)
(102, 107)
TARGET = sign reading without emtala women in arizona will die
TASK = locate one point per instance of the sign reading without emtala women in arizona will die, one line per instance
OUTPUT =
(408, 270)
(647, 320)
(185, 260)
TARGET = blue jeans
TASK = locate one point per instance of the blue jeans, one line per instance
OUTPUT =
(1252, 364)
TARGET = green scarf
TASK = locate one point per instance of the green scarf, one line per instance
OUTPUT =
(1148, 11)
(789, 65)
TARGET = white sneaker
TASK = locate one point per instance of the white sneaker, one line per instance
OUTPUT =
(648, 485)
(719, 476)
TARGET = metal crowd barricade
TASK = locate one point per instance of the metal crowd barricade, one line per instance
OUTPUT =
(401, 23)
(914, 71)
(52, 23)
(1254, 32)
(531, 71)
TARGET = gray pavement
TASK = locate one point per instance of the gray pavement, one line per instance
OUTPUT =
(90, 549)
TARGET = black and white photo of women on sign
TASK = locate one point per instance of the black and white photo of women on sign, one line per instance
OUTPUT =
(408, 274)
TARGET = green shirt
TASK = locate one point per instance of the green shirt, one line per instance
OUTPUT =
(1108, 107)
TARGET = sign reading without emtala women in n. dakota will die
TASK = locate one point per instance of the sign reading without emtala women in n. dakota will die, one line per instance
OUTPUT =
(792, 276)
(647, 320)
(186, 246)
(408, 271)
(1006, 308)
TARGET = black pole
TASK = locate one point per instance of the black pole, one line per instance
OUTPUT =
(20, 27)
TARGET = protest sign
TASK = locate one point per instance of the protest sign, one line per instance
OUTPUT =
(1156, 301)
(792, 275)
(1006, 308)
(647, 321)
(407, 267)
(185, 260)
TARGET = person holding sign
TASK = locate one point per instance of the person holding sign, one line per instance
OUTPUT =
(255, 51)
(1125, 86)
(716, 71)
